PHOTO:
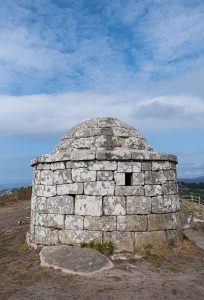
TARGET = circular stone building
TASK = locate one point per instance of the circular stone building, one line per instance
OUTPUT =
(103, 182)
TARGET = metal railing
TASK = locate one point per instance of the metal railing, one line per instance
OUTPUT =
(193, 198)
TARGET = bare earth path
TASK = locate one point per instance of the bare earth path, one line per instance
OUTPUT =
(21, 276)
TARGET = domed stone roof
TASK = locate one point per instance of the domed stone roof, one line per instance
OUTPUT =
(102, 133)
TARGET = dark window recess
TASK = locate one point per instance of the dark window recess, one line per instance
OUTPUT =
(128, 179)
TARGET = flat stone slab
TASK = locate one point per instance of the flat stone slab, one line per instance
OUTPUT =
(195, 236)
(74, 260)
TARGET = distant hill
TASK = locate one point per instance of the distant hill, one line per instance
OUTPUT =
(9, 186)
(192, 180)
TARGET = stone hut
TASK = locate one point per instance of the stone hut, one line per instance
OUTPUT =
(103, 182)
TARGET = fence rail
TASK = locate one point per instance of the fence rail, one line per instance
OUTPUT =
(192, 198)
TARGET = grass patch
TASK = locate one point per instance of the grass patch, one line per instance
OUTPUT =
(175, 269)
(105, 248)
(190, 207)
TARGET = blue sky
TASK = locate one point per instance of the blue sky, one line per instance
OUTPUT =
(62, 61)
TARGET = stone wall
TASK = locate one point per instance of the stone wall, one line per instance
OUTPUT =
(76, 201)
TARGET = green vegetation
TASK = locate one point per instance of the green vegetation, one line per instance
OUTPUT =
(105, 248)
(186, 190)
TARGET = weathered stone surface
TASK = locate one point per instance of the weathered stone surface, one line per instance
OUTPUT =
(70, 189)
(143, 239)
(163, 221)
(62, 176)
(161, 165)
(132, 223)
(83, 175)
(170, 188)
(43, 166)
(46, 236)
(36, 177)
(103, 165)
(57, 166)
(119, 178)
(103, 223)
(146, 166)
(83, 143)
(114, 205)
(45, 190)
(155, 177)
(101, 188)
(129, 190)
(74, 260)
(60, 205)
(138, 178)
(116, 154)
(104, 175)
(165, 204)
(129, 167)
(82, 155)
(88, 205)
(138, 205)
(122, 241)
(76, 164)
(41, 204)
(50, 220)
(153, 190)
(74, 222)
(174, 237)
(71, 237)
(46, 177)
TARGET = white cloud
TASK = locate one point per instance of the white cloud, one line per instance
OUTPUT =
(47, 114)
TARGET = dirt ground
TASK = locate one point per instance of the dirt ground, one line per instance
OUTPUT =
(21, 276)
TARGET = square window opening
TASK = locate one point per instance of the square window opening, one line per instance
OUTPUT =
(128, 179)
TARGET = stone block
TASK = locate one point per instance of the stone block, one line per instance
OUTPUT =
(103, 165)
(122, 241)
(60, 205)
(138, 205)
(170, 175)
(83, 175)
(46, 177)
(71, 237)
(114, 205)
(116, 154)
(57, 166)
(143, 239)
(62, 176)
(138, 178)
(70, 189)
(161, 165)
(36, 177)
(153, 190)
(50, 220)
(119, 178)
(132, 223)
(100, 188)
(174, 237)
(45, 191)
(129, 167)
(82, 154)
(88, 205)
(146, 166)
(76, 164)
(163, 221)
(43, 166)
(104, 175)
(170, 188)
(155, 177)
(41, 204)
(46, 236)
(103, 223)
(165, 204)
(74, 222)
(129, 190)
(83, 143)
